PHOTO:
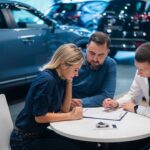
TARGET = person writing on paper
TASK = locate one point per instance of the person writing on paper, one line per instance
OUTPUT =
(49, 100)
(97, 76)
(139, 88)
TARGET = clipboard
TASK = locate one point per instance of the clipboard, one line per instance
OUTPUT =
(100, 113)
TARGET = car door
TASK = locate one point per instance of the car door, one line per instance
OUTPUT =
(33, 35)
(25, 46)
(9, 44)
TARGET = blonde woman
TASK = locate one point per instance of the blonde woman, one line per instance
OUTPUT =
(49, 100)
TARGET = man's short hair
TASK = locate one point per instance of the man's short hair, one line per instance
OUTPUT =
(100, 38)
(143, 53)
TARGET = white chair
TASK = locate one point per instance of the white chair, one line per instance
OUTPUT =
(6, 124)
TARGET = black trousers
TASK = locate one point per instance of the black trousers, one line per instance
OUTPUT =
(143, 144)
(47, 140)
(88, 145)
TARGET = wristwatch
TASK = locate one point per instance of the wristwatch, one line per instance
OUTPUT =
(135, 108)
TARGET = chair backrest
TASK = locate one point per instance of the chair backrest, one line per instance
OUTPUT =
(6, 124)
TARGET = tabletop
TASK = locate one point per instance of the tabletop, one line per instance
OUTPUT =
(131, 127)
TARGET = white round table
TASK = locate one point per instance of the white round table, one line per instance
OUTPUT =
(131, 127)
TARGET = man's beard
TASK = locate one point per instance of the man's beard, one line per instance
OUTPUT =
(94, 65)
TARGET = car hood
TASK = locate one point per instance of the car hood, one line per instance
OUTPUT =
(78, 30)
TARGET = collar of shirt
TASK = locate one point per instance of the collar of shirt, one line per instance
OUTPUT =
(56, 76)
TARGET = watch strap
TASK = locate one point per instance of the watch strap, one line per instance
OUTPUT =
(135, 108)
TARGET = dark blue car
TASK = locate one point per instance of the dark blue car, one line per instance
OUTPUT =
(27, 41)
(81, 13)
(127, 22)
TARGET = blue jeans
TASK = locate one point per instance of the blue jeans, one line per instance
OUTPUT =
(47, 140)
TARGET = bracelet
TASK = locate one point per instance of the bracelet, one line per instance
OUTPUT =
(135, 108)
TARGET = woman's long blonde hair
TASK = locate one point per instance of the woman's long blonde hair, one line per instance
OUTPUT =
(69, 54)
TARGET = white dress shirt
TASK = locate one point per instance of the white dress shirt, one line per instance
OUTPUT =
(138, 89)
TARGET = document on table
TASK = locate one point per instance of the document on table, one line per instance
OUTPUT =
(102, 113)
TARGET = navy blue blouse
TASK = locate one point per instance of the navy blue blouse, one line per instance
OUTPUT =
(46, 94)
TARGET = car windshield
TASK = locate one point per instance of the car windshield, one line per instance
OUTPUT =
(61, 8)
(65, 7)
(93, 7)
(136, 7)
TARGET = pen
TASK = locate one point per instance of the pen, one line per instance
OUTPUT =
(109, 109)
(85, 109)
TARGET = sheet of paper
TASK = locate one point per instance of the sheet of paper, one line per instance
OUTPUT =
(102, 113)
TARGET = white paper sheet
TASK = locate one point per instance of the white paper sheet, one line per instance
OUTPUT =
(102, 113)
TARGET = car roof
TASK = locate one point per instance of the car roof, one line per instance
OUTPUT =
(24, 5)
(131, 0)
(15, 2)
(76, 1)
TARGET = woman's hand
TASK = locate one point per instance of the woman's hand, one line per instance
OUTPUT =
(76, 113)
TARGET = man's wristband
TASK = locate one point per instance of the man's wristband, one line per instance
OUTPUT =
(135, 108)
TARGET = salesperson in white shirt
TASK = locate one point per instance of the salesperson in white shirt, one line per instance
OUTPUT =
(139, 88)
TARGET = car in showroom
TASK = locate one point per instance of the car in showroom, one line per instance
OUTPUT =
(28, 39)
(127, 22)
(81, 13)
